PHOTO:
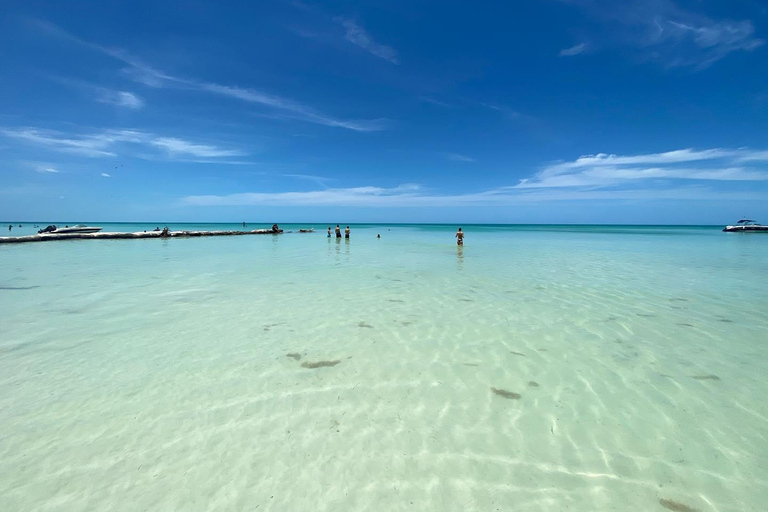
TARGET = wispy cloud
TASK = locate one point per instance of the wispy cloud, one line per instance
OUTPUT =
(101, 94)
(456, 157)
(406, 196)
(357, 35)
(105, 175)
(355, 196)
(656, 176)
(754, 156)
(121, 99)
(41, 167)
(661, 30)
(320, 180)
(502, 109)
(137, 69)
(294, 110)
(182, 147)
(91, 145)
(150, 76)
(573, 50)
(433, 101)
(107, 143)
(603, 170)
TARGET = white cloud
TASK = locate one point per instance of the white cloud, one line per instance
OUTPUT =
(455, 157)
(603, 170)
(669, 157)
(661, 30)
(121, 99)
(108, 142)
(320, 180)
(504, 110)
(41, 167)
(91, 146)
(295, 110)
(179, 146)
(138, 70)
(433, 101)
(573, 50)
(654, 176)
(357, 35)
(105, 175)
(414, 196)
(356, 196)
(142, 73)
(102, 94)
(754, 156)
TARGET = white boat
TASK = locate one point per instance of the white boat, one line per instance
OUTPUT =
(77, 229)
(746, 226)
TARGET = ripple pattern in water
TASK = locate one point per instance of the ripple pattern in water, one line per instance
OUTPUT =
(297, 373)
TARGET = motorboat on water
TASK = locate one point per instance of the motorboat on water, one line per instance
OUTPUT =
(74, 229)
(746, 226)
(78, 229)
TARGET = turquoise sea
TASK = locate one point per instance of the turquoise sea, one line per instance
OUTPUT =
(538, 368)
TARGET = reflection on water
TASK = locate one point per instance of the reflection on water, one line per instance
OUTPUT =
(460, 257)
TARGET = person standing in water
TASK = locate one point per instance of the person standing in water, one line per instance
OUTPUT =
(329, 231)
(346, 232)
(338, 231)
(459, 237)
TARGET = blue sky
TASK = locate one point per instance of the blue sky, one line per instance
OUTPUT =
(583, 111)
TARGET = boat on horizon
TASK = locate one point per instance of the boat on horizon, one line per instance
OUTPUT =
(746, 226)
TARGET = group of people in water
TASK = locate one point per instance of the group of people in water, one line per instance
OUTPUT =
(338, 232)
(459, 234)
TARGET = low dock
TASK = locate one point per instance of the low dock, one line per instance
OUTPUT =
(51, 237)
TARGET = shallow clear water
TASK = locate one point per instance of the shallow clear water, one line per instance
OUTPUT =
(153, 374)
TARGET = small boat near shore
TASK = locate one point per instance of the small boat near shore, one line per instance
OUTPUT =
(746, 226)
(78, 229)
(74, 229)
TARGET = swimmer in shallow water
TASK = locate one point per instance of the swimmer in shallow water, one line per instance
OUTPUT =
(338, 231)
(459, 237)
(329, 231)
(346, 232)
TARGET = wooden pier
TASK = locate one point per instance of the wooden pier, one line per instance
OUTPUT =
(51, 237)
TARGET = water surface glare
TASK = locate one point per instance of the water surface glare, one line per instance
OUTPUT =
(537, 368)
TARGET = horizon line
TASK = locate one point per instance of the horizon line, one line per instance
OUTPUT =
(7, 222)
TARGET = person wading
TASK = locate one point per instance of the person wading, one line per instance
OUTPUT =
(459, 237)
